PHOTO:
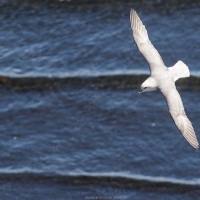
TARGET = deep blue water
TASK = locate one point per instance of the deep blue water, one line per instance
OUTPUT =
(67, 142)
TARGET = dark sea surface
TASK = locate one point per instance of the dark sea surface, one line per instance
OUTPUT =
(72, 125)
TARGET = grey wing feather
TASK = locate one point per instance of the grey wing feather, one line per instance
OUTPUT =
(143, 43)
(178, 114)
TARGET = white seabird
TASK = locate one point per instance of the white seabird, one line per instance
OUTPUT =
(163, 78)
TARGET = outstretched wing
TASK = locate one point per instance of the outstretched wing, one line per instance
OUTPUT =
(143, 43)
(177, 112)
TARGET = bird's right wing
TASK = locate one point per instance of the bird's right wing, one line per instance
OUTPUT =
(177, 112)
(143, 43)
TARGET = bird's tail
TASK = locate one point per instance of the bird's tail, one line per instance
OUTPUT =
(179, 70)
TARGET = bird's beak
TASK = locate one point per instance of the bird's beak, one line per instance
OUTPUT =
(140, 91)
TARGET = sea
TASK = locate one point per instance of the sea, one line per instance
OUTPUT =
(72, 124)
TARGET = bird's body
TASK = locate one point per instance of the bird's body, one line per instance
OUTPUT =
(163, 78)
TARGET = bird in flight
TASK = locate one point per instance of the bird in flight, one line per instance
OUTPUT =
(163, 78)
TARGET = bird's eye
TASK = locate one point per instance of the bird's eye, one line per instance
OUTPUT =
(145, 87)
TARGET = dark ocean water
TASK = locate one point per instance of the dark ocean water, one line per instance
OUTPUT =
(72, 123)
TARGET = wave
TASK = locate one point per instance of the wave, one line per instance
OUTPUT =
(125, 179)
(109, 178)
(114, 81)
(158, 6)
(179, 3)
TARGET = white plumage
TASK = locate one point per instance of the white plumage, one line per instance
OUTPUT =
(163, 78)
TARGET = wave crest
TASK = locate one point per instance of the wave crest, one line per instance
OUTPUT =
(112, 179)
(103, 81)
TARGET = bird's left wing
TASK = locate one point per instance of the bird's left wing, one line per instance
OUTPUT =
(178, 114)
(143, 43)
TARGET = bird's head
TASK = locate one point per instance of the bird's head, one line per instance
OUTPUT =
(148, 85)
